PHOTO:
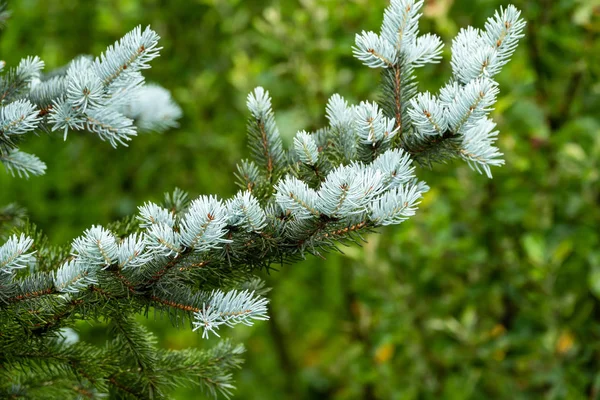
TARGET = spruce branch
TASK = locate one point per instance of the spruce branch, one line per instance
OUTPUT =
(14, 254)
(203, 226)
(263, 135)
(17, 118)
(230, 309)
(245, 211)
(18, 79)
(190, 367)
(72, 277)
(306, 148)
(22, 164)
(401, 23)
(196, 261)
(126, 57)
(340, 139)
(106, 96)
(374, 51)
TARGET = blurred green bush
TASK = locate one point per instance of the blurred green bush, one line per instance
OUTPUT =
(491, 291)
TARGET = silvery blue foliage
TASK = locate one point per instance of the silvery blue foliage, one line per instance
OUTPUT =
(259, 103)
(295, 196)
(97, 247)
(110, 125)
(401, 23)
(14, 254)
(245, 211)
(471, 55)
(341, 120)
(153, 109)
(396, 205)
(150, 214)
(427, 49)
(162, 240)
(427, 115)
(231, 308)
(306, 148)
(65, 117)
(374, 51)
(132, 252)
(477, 147)
(74, 276)
(339, 113)
(18, 117)
(396, 167)
(203, 226)
(19, 163)
(349, 189)
(126, 58)
(341, 192)
(461, 112)
(29, 69)
(103, 95)
(265, 141)
(371, 125)
(97, 90)
(477, 53)
(84, 87)
(399, 41)
(503, 32)
(471, 103)
(467, 100)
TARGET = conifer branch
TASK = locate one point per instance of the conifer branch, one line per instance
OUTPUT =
(106, 96)
(196, 261)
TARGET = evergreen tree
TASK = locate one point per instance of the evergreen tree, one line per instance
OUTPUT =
(196, 261)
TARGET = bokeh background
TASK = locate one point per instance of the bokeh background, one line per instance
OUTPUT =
(491, 291)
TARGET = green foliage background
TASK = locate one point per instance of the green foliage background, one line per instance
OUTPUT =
(492, 290)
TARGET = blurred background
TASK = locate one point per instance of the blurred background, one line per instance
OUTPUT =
(492, 290)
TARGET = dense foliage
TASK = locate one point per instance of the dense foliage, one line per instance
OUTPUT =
(490, 290)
